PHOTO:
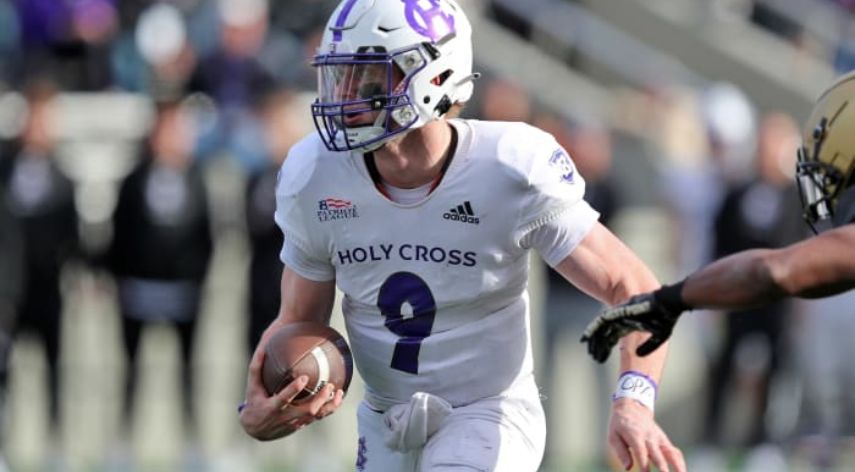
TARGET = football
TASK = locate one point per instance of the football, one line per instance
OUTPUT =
(306, 348)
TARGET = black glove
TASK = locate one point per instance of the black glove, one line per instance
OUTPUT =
(656, 312)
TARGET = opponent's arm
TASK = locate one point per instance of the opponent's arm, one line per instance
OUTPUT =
(817, 267)
(271, 417)
(602, 266)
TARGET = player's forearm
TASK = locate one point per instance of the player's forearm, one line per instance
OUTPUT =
(742, 280)
(650, 365)
(304, 299)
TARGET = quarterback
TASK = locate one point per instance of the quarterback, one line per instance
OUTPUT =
(820, 266)
(424, 222)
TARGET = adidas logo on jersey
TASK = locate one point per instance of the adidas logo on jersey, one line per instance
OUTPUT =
(462, 213)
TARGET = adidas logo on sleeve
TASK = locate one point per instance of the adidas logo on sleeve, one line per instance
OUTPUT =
(462, 213)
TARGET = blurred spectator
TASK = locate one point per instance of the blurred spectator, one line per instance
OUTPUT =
(844, 53)
(706, 138)
(41, 198)
(155, 57)
(826, 350)
(68, 39)
(11, 286)
(313, 14)
(731, 130)
(281, 120)
(162, 245)
(691, 182)
(129, 11)
(248, 63)
(233, 74)
(10, 49)
(503, 100)
(293, 40)
(568, 308)
(762, 213)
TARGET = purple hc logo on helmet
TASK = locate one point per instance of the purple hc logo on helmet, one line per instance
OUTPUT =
(427, 18)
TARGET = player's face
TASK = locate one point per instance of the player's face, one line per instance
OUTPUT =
(361, 88)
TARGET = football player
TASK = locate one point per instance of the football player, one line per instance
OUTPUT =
(819, 266)
(424, 222)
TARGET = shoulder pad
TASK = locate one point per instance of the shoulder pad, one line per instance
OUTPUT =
(299, 167)
(522, 149)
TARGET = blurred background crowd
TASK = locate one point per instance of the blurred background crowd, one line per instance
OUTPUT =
(139, 144)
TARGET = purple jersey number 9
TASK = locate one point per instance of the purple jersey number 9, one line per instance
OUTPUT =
(407, 288)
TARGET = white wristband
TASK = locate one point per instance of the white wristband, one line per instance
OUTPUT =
(637, 386)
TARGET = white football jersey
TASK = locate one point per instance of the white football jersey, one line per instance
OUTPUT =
(434, 292)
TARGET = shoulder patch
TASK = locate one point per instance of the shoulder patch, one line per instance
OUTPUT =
(561, 162)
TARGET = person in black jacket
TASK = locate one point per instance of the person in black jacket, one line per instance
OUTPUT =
(761, 213)
(265, 238)
(41, 199)
(162, 243)
(11, 286)
(278, 114)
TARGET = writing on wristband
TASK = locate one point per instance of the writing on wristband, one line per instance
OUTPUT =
(637, 386)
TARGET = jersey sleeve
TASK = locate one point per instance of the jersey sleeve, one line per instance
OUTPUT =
(552, 187)
(556, 239)
(305, 249)
(304, 264)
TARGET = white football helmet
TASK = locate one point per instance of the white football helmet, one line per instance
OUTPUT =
(388, 66)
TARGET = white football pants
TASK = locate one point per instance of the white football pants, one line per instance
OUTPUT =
(497, 434)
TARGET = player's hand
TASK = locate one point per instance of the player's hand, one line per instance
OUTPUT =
(635, 438)
(271, 417)
(643, 312)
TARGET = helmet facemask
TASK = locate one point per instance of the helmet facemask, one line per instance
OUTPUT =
(819, 183)
(362, 98)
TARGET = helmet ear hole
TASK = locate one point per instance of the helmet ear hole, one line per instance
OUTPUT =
(443, 106)
(441, 78)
